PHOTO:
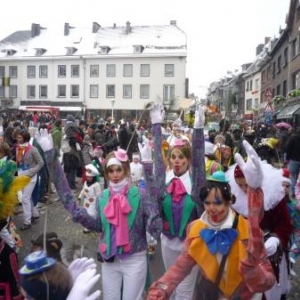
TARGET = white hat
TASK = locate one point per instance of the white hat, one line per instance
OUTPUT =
(209, 148)
(91, 170)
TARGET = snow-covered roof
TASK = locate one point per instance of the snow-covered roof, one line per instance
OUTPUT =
(155, 40)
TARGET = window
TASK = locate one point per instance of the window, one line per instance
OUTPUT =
(278, 89)
(145, 70)
(62, 91)
(169, 70)
(43, 71)
(94, 70)
(62, 71)
(249, 104)
(263, 76)
(127, 91)
(75, 71)
(127, 70)
(94, 91)
(273, 69)
(13, 91)
(144, 91)
(75, 90)
(284, 88)
(110, 91)
(2, 71)
(110, 70)
(256, 102)
(169, 93)
(256, 84)
(285, 57)
(2, 91)
(250, 85)
(43, 91)
(30, 91)
(247, 86)
(13, 72)
(293, 48)
(279, 64)
(30, 71)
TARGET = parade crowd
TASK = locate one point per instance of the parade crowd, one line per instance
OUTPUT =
(223, 203)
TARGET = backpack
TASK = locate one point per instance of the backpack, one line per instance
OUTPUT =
(65, 145)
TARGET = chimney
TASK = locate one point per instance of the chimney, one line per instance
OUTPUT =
(267, 39)
(96, 27)
(259, 48)
(67, 29)
(173, 22)
(35, 30)
(128, 28)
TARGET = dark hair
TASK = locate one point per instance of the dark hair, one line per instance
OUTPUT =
(5, 149)
(222, 186)
(25, 134)
(125, 165)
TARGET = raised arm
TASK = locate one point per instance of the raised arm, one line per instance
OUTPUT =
(198, 164)
(157, 115)
(256, 268)
(57, 175)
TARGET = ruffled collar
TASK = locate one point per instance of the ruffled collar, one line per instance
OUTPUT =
(184, 178)
(226, 223)
(271, 186)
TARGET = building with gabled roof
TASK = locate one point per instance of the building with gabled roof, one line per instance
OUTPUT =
(95, 70)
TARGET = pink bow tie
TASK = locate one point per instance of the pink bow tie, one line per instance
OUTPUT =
(116, 212)
(176, 189)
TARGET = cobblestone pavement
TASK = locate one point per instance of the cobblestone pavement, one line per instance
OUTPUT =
(77, 244)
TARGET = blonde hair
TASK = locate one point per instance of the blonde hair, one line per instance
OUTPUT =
(125, 165)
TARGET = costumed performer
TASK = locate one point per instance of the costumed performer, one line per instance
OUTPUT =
(228, 249)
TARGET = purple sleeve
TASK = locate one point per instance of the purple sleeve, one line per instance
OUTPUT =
(151, 215)
(159, 166)
(198, 165)
(66, 196)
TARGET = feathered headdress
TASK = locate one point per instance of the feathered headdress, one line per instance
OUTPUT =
(9, 186)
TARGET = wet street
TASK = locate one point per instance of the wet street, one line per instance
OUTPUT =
(77, 244)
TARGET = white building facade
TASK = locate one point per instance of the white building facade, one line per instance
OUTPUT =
(95, 70)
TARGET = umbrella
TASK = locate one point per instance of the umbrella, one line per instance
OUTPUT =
(283, 125)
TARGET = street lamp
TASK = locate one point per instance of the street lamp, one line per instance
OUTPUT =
(112, 108)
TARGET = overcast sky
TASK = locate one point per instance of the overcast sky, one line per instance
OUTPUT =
(221, 34)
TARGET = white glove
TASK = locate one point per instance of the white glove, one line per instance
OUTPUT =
(44, 139)
(271, 245)
(157, 114)
(199, 118)
(83, 285)
(80, 265)
(145, 150)
(252, 168)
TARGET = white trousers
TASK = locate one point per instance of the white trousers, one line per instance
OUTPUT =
(29, 210)
(284, 285)
(131, 271)
(185, 289)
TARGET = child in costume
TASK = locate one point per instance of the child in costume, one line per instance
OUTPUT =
(90, 191)
(176, 190)
(228, 249)
(124, 214)
(136, 168)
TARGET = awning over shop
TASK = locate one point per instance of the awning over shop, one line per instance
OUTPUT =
(288, 111)
(70, 108)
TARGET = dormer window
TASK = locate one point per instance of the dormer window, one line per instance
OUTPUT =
(104, 49)
(10, 52)
(138, 49)
(71, 50)
(40, 51)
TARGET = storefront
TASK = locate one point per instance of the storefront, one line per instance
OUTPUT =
(291, 114)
